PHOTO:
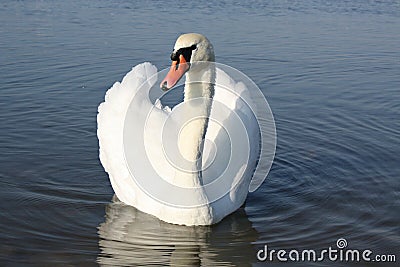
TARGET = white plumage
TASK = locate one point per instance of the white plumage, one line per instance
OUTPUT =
(124, 119)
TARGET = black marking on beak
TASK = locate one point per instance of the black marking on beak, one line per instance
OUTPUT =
(164, 86)
(186, 52)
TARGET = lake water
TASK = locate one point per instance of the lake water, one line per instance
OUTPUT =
(329, 69)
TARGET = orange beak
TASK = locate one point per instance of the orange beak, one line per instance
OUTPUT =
(175, 73)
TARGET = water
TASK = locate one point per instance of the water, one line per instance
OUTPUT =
(330, 71)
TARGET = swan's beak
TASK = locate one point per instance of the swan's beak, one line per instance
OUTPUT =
(178, 68)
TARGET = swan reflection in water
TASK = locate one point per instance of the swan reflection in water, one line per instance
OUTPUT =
(129, 237)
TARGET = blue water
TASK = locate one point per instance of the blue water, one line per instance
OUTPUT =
(329, 69)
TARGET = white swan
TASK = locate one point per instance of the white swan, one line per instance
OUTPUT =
(192, 165)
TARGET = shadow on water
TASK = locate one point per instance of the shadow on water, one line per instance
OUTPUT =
(129, 237)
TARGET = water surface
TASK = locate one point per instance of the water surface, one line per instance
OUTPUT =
(329, 69)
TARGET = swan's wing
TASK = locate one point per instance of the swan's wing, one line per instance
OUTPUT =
(131, 94)
(231, 115)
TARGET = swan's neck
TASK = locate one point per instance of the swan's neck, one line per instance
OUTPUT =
(199, 91)
(199, 84)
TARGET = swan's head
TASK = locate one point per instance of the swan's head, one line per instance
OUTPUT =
(189, 48)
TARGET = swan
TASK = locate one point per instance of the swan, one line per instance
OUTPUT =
(189, 165)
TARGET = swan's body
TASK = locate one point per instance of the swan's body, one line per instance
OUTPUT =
(209, 109)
